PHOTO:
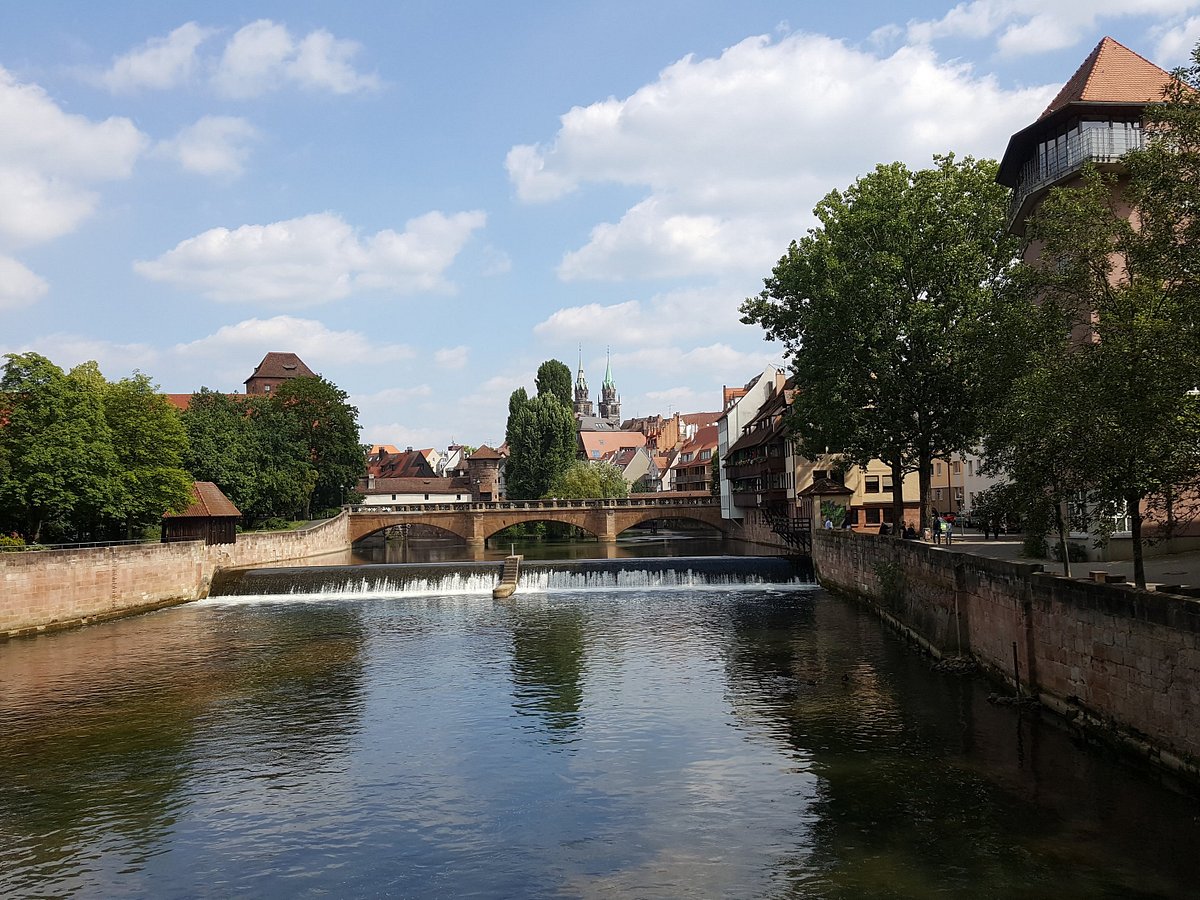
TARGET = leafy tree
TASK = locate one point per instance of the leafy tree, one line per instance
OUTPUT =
(58, 471)
(541, 444)
(554, 379)
(583, 480)
(150, 444)
(895, 315)
(325, 427)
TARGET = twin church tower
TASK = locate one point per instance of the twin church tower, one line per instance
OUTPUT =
(610, 403)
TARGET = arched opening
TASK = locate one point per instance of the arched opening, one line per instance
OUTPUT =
(409, 542)
(544, 529)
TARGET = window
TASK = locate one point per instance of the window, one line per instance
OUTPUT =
(887, 484)
(970, 467)
(393, 496)
(937, 468)
(871, 484)
(957, 468)
(266, 389)
(818, 474)
(426, 496)
(687, 457)
(705, 454)
(937, 493)
(873, 517)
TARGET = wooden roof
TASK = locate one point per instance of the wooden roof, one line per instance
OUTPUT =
(209, 503)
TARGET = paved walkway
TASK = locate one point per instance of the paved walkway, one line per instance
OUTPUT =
(1178, 568)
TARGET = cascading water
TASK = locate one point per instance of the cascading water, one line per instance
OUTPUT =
(727, 572)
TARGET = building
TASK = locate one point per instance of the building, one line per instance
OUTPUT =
(485, 470)
(388, 491)
(385, 461)
(740, 406)
(609, 413)
(274, 370)
(210, 517)
(693, 467)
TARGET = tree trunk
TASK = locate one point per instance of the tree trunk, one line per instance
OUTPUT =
(1060, 525)
(1134, 502)
(897, 495)
(924, 479)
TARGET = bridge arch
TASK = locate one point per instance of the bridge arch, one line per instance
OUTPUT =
(474, 522)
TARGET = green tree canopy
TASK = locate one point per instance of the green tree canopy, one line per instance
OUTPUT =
(541, 444)
(325, 426)
(583, 480)
(554, 380)
(894, 313)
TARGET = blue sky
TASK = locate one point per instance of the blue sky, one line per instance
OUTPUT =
(426, 200)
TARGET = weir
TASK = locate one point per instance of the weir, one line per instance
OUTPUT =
(535, 577)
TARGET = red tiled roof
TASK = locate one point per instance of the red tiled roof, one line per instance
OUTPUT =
(209, 503)
(597, 444)
(485, 452)
(1112, 73)
(183, 402)
(281, 365)
(418, 486)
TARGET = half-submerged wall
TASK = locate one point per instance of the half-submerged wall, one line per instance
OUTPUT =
(41, 590)
(1118, 659)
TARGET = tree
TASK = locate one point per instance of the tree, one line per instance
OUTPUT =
(58, 470)
(583, 480)
(150, 444)
(325, 427)
(554, 379)
(894, 313)
(541, 444)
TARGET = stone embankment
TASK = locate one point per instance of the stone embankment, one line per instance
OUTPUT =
(1119, 662)
(43, 590)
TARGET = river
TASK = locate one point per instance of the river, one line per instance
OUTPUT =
(652, 737)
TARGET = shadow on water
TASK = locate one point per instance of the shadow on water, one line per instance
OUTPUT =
(926, 789)
(548, 661)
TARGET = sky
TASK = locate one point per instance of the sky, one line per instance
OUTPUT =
(427, 200)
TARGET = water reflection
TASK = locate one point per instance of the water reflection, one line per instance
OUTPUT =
(548, 665)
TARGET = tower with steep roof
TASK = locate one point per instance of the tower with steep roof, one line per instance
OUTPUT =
(610, 403)
(583, 406)
(1096, 118)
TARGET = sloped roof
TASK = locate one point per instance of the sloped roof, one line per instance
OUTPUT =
(282, 365)
(1112, 73)
(597, 444)
(825, 487)
(208, 503)
(406, 464)
(420, 486)
(485, 452)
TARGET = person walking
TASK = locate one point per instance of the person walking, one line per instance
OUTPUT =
(936, 528)
(948, 530)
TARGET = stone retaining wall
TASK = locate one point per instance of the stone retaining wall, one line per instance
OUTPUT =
(1121, 661)
(41, 590)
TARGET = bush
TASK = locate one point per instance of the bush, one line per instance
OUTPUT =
(1075, 552)
(274, 524)
(11, 542)
(1034, 545)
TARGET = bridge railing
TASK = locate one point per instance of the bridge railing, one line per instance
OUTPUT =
(671, 499)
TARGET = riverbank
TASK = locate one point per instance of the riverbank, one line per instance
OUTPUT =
(53, 589)
(1120, 663)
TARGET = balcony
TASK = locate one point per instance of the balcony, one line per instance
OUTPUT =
(1098, 145)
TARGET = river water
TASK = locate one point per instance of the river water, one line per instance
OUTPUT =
(651, 737)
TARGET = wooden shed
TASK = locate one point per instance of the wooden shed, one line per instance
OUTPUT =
(211, 518)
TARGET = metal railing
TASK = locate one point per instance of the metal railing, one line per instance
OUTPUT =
(82, 545)
(1094, 145)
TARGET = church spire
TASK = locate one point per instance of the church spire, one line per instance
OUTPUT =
(608, 379)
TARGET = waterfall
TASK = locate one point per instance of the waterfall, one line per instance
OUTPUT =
(367, 581)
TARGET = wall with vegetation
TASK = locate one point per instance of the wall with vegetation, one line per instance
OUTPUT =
(1115, 660)
(42, 590)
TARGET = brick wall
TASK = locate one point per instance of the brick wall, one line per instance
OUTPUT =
(1121, 661)
(60, 588)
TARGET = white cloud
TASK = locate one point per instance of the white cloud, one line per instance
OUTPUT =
(314, 342)
(394, 395)
(264, 56)
(452, 357)
(676, 314)
(736, 150)
(1174, 43)
(1024, 27)
(213, 145)
(18, 286)
(160, 63)
(48, 159)
(69, 350)
(315, 259)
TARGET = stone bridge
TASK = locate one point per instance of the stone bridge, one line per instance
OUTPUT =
(476, 521)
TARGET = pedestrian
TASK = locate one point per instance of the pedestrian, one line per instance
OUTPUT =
(884, 530)
(828, 524)
(936, 528)
(948, 530)
(984, 526)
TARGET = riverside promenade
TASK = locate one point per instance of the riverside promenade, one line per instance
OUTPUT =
(1177, 568)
